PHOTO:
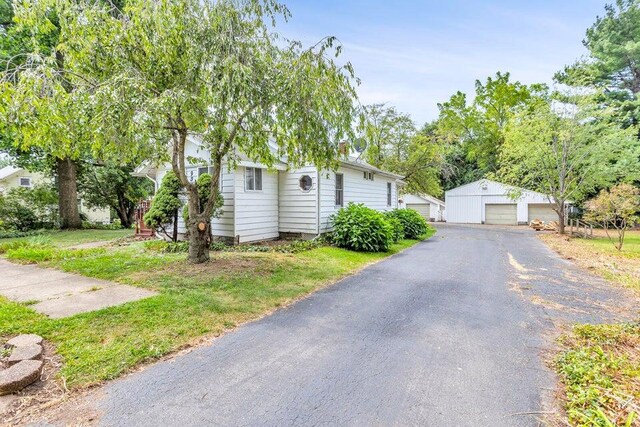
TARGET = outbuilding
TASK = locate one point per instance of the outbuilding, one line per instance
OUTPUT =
(429, 207)
(490, 202)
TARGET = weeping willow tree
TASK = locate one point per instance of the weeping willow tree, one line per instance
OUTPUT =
(217, 70)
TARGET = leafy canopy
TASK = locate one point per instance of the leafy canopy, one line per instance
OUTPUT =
(568, 151)
(613, 63)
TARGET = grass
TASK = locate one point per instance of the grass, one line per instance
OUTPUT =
(193, 301)
(600, 256)
(600, 367)
(73, 237)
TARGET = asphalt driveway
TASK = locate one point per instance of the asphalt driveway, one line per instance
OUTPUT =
(448, 333)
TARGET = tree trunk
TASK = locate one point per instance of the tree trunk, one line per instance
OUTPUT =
(561, 218)
(68, 194)
(175, 227)
(199, 232)
(126, 216)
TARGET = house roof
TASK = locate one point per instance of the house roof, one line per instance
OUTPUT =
(354, 163)
(147, 169)
(507, 188)
(427, 198)
(7, 171)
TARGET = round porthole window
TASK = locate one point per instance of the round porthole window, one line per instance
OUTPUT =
(306, 183)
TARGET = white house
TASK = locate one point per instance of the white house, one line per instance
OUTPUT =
(489, 202)
(14, 177)
(263, 203)
(429, 207)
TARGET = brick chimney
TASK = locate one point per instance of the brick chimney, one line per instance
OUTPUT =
(342, 148)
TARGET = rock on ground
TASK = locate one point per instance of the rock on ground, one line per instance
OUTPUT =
(25, 340)
(19, 376)
(27, 352)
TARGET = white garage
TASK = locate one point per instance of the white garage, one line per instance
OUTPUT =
(429, 207)
(491, 202)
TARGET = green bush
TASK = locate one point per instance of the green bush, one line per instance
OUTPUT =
(413, 224)
(360, 228)
(165, 205)
(16, 216)
(396, 228)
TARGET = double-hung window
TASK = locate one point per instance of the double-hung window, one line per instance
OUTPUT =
(339, 189)
(253, 179)
(388, 194)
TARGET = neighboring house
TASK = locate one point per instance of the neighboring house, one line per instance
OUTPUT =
(490, 202)
(429, 207)
(263, 203)
(13, 177)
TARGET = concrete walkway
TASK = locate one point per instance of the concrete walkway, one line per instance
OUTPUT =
(58, 294)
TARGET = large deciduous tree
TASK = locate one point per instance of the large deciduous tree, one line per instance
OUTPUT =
(567, 151)
(214, 69)
(43, 104)
(393, 143)
(475, 129)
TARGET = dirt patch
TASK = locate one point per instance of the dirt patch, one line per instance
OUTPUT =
(617, 268)
(222, 264)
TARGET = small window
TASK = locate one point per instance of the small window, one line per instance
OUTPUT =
(370, 176)
(25, 182)
(339, 189)
(306, 183)
(366, 175)
(253, 179)
(388, 194)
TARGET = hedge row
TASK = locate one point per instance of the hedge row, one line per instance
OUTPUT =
(360, 228)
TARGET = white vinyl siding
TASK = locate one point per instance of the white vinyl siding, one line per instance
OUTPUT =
(372, 194)
(298, 208)
(256, 215)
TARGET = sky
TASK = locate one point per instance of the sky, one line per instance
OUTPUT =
(415, 54)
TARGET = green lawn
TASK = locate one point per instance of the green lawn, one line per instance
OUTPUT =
(76, 237)
(194, 301)
(630, 249)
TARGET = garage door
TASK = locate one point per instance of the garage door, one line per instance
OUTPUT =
(543, 212)
(501, 214)
(423, 209)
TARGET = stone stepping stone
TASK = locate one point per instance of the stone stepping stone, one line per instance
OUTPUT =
(27, 352)
(20, 375)
(25, 340)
